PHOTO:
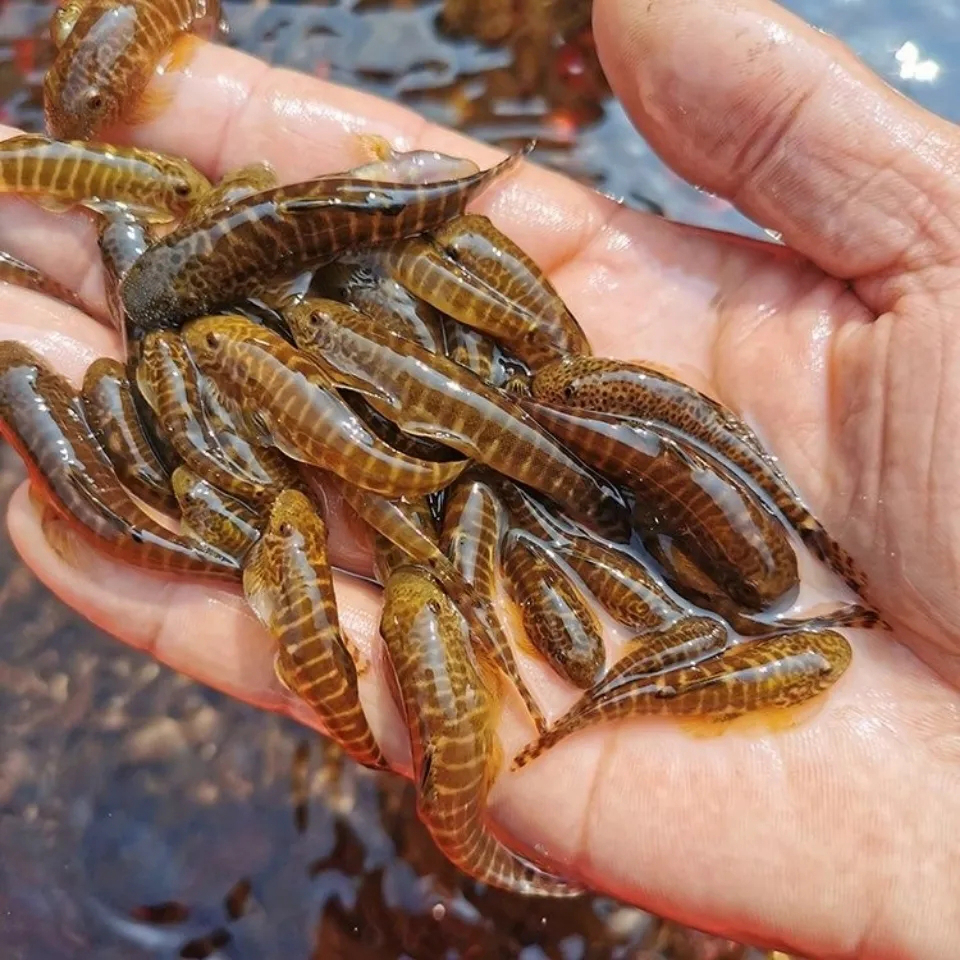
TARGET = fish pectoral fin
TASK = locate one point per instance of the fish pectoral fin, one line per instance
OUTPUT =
(55, 205)
(260, 597)
(22, 141)
(758, 723)
(109, 208)
(361, 663)
(436, 432)
(61, 538)
(180, 55)
(491, 673)
(424, 781)
(378, 398)
(374, 202)
(374, 146)
(256, 426)
(279, 671)
(152, 104)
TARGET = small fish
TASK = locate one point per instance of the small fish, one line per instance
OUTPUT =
(645, 393)
(174, 388)
(24, 275)
(41, 417)
(700, 521)
(122, 237)
(557, 620)
(773, 674)
(408, 526)
(208, 515)
(357, 282)
(289, 584)
(112, 415)
(233, 186)
(109, 51)
(60, 175)
(451, 714)
(633, 595)
(236, 432)
(430, 396)
(474, 522)
(559, 625)
(301, 412)
(631, 592)
(232, 253)
(472, 272)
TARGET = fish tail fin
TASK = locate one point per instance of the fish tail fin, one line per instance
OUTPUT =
(825, 548)
(474, 848)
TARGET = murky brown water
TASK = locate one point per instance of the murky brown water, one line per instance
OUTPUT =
(143, 816)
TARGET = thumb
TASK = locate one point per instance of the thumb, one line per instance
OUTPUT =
(749, 102)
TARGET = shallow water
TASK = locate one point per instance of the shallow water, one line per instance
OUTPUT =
(143, 816)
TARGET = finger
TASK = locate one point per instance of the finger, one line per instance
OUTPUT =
(747, 101)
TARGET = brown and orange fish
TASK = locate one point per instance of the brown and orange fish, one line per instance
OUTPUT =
(300, 410)
(236, 251)
(289, 583)
(42, 418)
(768, 675)
(451, 713)
(62, 174)
(109, 51)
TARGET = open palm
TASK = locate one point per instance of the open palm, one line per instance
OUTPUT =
(839, 837)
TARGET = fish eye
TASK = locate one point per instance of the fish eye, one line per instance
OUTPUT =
(213, 341)
(93, 100)
(182, 189)
(285, 529)
(568, 391)
(314, 319)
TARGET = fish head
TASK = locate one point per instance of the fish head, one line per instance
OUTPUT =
(314, 322)
(216, 345)
(184, 184)
(93, 78)
(295, 528)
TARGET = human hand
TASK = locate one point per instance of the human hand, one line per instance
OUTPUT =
(837, 838)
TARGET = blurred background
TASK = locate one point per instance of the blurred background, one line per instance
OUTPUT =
(144, 817)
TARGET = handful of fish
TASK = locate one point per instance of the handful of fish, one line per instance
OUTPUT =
(364, 328)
